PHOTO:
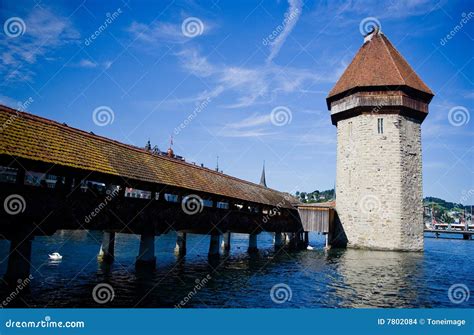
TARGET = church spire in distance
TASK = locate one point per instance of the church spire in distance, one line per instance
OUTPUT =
(263, 181)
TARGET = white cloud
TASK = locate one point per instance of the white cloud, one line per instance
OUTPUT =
(44, 32)
(292, 16)
(195, 63)
(88, 64)
(158, 33)
(230, 132)
(252, 121)
(354, 10)
(253, 85)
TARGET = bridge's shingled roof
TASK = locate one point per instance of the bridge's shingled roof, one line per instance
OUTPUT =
(31, 137)
(378, 64)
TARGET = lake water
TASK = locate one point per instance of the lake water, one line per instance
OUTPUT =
(303, 279)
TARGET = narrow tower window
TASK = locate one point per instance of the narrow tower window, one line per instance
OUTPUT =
(380, 126)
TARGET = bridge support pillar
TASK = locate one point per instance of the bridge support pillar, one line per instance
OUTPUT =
(253, 243)
(19, 261)
(180, 248)
(107, 249)
(226, 241)
(146, 254)
(279, 240)
(214, 245)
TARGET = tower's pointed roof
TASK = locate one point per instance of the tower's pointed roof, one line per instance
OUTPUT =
(378, 64)
(263, 180)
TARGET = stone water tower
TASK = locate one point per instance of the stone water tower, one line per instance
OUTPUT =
(378, 106)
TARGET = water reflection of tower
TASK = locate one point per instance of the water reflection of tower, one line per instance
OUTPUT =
(377, 278)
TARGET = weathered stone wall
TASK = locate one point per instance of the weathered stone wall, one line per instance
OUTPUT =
(378, 184)
(412, 186)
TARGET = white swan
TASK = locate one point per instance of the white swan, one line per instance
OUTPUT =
(309, 247)
(55, 256)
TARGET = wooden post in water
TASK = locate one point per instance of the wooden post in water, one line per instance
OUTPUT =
(226, 241)
(214, 245)
(19, 259)
(279, 240)
(180, 248)
(146, 254)
(253, 243)
(107, 249)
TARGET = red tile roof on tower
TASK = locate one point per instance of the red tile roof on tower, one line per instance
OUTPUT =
(378, 64)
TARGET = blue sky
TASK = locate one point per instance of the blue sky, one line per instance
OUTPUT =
(244, 60)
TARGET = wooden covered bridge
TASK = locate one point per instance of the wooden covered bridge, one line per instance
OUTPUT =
(91, 181)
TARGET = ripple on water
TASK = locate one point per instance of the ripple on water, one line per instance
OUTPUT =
(316, 278)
